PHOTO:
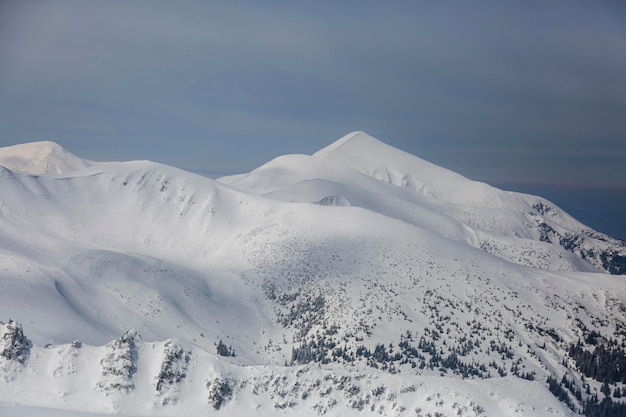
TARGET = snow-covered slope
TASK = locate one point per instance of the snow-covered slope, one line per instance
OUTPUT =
(40, 158)
(305, 287)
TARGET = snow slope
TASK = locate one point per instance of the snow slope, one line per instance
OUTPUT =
(338, 293)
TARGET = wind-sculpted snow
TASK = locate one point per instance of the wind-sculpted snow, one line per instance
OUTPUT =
(304, 287)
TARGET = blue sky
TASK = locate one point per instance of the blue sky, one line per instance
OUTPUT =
(527, 96)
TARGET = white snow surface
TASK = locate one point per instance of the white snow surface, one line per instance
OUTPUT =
(357, 246)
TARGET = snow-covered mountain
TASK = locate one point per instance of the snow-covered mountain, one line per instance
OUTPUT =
(359, 170)
(359, 280)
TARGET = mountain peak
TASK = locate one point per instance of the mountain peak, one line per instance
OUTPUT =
(43, 157)
(381, 161)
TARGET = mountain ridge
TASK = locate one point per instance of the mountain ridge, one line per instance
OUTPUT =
(384, 301)
(346, 164)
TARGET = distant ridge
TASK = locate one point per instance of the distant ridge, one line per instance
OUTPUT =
(40, 158)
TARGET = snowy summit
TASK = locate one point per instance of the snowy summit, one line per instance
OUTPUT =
(40, 158)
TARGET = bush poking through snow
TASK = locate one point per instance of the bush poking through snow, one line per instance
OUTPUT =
(224, 350)
(173, 371)
(14, 346)
(220, 391)
(119, 364)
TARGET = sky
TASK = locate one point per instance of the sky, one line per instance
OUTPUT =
(525, 95)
